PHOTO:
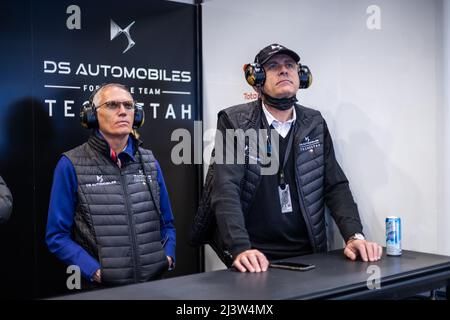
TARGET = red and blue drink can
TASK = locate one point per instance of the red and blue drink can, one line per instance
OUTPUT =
(393, 236)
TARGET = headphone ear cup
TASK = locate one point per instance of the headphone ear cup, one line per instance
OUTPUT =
(88, 116)
(139, 116)
(305, 77)
(254, 74)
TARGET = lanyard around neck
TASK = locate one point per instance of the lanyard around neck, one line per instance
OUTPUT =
(281, 169)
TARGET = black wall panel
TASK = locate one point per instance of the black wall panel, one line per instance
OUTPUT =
(48, 69)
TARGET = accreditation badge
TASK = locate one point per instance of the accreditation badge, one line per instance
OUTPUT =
(285, 198)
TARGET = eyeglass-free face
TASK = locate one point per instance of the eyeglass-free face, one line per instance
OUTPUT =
(282, 80)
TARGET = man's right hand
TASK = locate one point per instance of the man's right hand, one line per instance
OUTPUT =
(97, 277)
(251, 261)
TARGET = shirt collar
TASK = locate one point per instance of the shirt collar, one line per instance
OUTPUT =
(129, 148)
(271, 119)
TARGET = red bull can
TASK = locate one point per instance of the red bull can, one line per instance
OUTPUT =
(393, 236)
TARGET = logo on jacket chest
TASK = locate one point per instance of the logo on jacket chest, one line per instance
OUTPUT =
(308, 144)
(101, 182)
(141, 177)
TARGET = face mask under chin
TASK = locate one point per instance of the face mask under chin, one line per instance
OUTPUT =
(280, 104)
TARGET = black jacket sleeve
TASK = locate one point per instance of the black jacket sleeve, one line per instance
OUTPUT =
(338, 196)
(226, 193)
(5, 201)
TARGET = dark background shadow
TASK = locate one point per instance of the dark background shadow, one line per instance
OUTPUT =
(31, 141)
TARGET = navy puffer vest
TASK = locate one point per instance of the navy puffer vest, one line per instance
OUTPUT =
(116, 219)
(309, 160)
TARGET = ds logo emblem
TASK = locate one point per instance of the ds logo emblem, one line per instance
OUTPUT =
(116, 30)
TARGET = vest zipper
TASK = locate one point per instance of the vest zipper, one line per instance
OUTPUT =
(132, 229)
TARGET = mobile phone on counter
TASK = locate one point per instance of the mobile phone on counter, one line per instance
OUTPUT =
(291, 266)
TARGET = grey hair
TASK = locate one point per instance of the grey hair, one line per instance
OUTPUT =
(95, 93)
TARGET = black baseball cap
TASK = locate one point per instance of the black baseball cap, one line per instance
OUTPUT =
(268, 52)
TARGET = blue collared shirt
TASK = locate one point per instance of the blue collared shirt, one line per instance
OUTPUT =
(61, 212)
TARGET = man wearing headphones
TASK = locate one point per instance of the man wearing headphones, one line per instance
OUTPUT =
(262, 217)
(109, 211)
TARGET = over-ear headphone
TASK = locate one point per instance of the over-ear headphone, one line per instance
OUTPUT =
(256, 76)
(88, 113)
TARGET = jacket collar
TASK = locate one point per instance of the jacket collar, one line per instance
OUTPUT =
(98, 143)
(305, 123)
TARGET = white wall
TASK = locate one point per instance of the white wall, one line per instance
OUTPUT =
(444, 141)
(381, 92)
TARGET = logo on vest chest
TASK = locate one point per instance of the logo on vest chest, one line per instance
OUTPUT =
(141, 177)
(307, 144)
(101, 182)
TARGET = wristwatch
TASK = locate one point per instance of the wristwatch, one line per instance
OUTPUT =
(356, 236)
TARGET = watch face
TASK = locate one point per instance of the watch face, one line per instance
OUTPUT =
(358, 236)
